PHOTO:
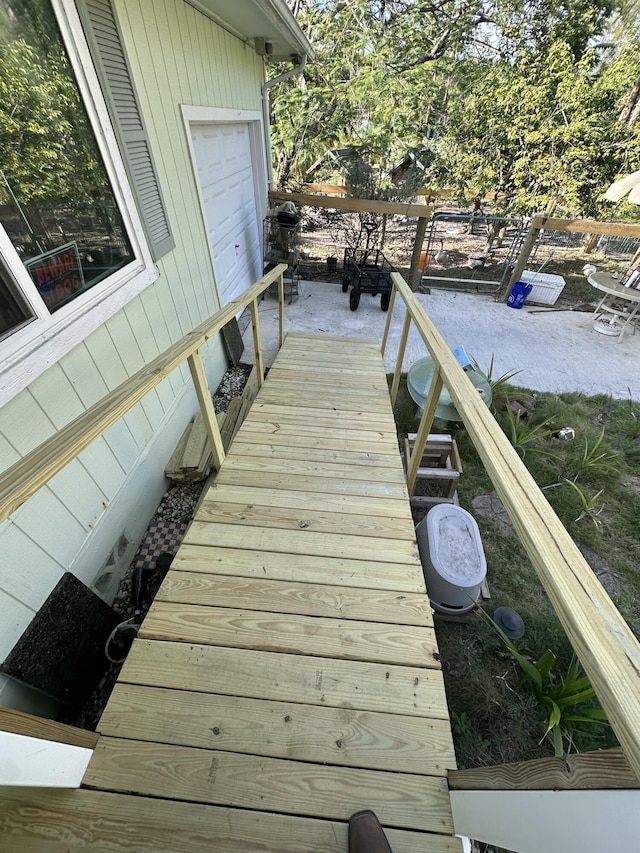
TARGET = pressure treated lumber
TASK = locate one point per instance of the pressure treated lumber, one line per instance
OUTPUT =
(365, 574)
(20, 723)
(366, 205)
(302, 732)
(334, 602)
(341, 639)
(303, 542)
(315, 501)
(601, 638)
(417, 691)
(83, 821)
(293, 787)
(606, 769)
(294, 518)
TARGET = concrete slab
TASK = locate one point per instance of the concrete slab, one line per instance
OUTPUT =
(555, 350)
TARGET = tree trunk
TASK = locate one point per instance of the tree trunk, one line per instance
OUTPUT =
(631, 111)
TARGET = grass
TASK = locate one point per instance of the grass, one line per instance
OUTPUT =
(494, 718)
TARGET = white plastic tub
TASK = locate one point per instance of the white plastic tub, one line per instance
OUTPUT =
(452, 558)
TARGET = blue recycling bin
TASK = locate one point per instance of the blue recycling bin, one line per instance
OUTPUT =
(519, 293)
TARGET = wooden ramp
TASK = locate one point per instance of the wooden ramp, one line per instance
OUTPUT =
(286, 675)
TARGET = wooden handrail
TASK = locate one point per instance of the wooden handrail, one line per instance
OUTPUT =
(606, 769)
(23, 479)
(604, 643)
(20, 723)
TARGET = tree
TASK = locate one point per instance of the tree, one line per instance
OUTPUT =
(514, 95)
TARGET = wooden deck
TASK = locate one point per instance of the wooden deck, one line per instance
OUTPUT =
(285, 676)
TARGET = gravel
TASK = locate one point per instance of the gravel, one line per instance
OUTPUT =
(178, 505)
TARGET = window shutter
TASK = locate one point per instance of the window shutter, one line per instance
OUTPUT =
(103, 34)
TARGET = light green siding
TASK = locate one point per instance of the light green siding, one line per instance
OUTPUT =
(178, 56)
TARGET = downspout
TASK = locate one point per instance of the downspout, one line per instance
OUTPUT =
(298, 69)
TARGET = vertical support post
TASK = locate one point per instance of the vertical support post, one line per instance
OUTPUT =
(417, 248)
(401, 348)
(196, 366)
(281, 306)
(523, 257)
(387, 325)
(426, 422)
(255, 323)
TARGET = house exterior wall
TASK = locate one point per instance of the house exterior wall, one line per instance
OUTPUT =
(89, 519)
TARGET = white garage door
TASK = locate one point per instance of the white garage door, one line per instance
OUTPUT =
(226, 177)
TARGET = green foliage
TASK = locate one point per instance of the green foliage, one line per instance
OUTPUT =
(592, 460)
(523, 433)
(497, 383)
(563, 700)
(589, 506)
(525, 97)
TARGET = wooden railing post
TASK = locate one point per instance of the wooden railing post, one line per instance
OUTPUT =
(257, 345)
(387, 325)
(196, 366)
(281, 306)
(401, 348)
(426, 422)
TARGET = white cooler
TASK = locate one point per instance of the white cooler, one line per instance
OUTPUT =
(452, 558)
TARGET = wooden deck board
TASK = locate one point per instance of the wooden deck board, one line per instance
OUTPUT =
(412, 690)
(367, 574)
(346, 639)
(50, 821)
(402, 800)
(296, 518)
(286, 675)
(259, 727)
(333, 602)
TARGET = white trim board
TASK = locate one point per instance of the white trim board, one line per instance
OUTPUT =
(545, 821)
(30, 761)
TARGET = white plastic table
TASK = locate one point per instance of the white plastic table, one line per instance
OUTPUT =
(620, 306)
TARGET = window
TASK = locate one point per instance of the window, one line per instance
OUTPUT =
(57, 205)
(81, 212)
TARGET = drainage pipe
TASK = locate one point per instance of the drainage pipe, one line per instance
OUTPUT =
(297, 69)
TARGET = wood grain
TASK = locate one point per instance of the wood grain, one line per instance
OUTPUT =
(604, 643)
(84, 821)
(300, 732)
(320, 501)
(291, 634)
(302, 542)
(275, 785)
(380, 441)
(27, 476)
(303, 468)
(332, 485)
(606, 769)
(333, 602)
(416, 691)
(20, 723)
(366, 574)
(292, 518)
(352, 456)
